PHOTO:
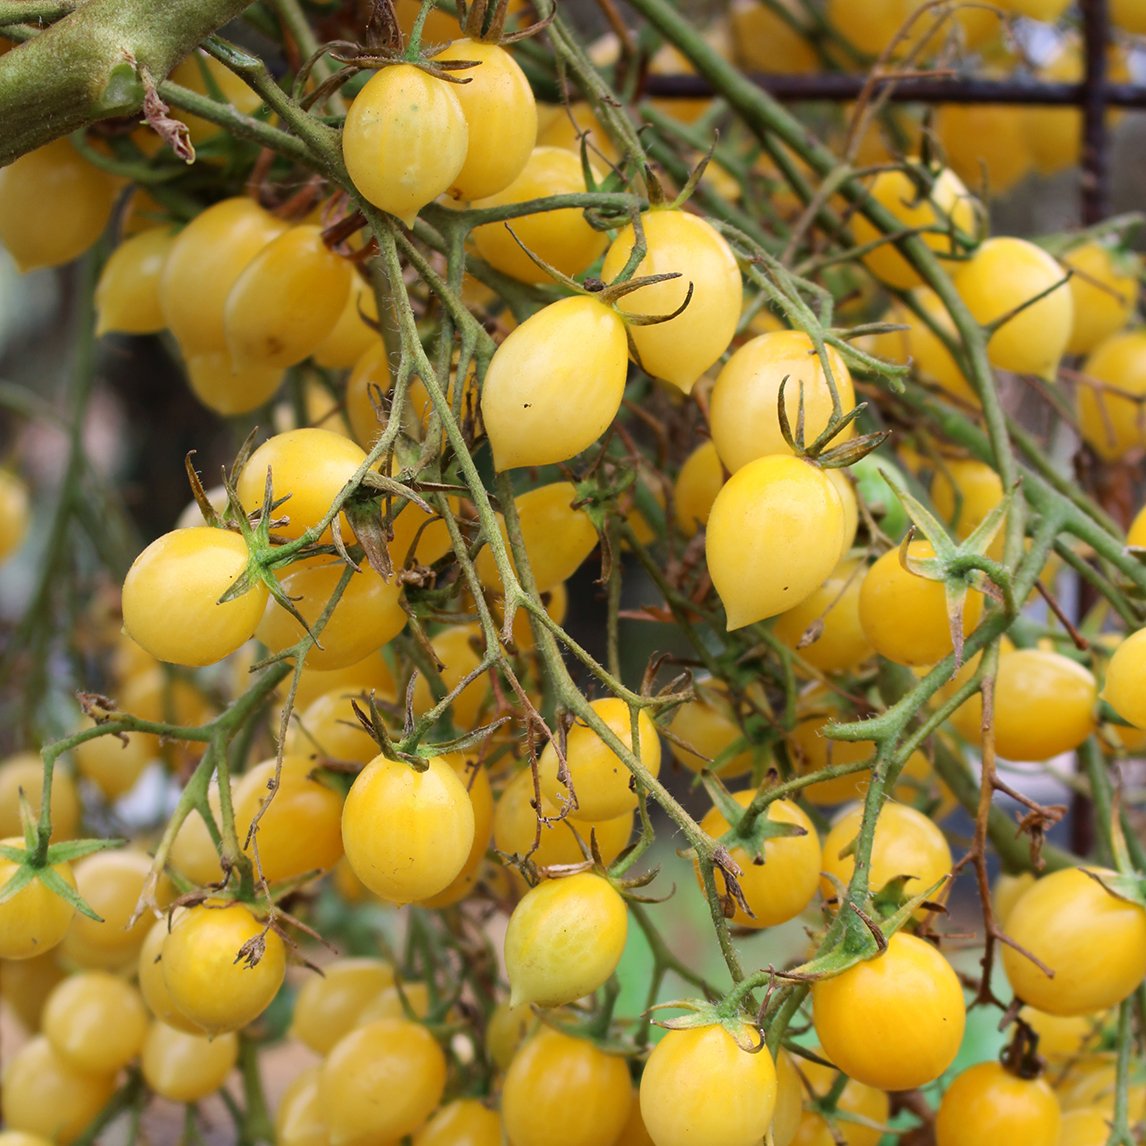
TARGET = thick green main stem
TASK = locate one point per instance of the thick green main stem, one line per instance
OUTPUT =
(89, 65)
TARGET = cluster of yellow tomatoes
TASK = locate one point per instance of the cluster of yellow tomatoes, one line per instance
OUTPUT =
(343, 673)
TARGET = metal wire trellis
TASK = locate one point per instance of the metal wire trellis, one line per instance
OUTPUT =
(1094, 96)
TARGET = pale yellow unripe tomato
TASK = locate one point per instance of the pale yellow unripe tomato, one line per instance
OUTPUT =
(185, 1067)
(555, 384)
(825, 628)
(1002, 275)
(935, 205)
(774, 505)
(404, 140)
(744, 406)
(1123, 689)
(500, 114)
(1105, 292)
(204, 262)
(126, 296)
(561, 238)
(227, 388)
(564, 939)
(1113, 376)
(598, 777)
(696, 487)
(986, 144)
(682, 348)
(351, 335)
(287, 300)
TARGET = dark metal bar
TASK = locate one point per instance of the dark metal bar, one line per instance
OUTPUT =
(1095, 129)
(924, 90)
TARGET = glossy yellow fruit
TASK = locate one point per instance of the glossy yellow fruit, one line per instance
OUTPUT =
(934, 205)
(764, 41)
(516, 830)
(1094, 942)
(95, 1021)
(561, 238)
(598, 778)
(865, 1102)
(555, 384)
(1129, 16)
(407, 834)
(688, 1067)
(905, 615)
(680, 349)
(404, 140)
(1113, 377)
(227, 388)
(1046, 10)
(500, 114)
(696, 487)
(774, 505)
(906, 843)
(1122, 689)
(1105, 292)
(126, 297)
(557, 537)
(564, 939)
(987, 145)
(825, 628)
(456, 651)
(476, 779)
(53, 205)
(351, 335)
(151, 984)
(744, 406)
(35, 919)
(329, 1005)
(872, 27)
(368, 615)
(894, 1021)
(286, 301)
(204, 262)
(1002, 275)
(24, 772)
(171, 596)
(15, 513)
(712, 726)
(964, 492)
(1086, 1126)
(381, 1082)
(779, 882)
(564, 1091)
(44, 1094)
(463, 1122)
(185, 1067)
(222, 966)
(300, 1119)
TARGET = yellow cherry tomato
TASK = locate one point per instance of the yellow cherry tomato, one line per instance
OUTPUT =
(500, 114)
(53, 205)
(24, 772)
(1046, 10)
(682, 348)
(602, 784)
(562, 238)
(905, 615)
(210, 77)
(381, 1081)
(286, 301)
(1129, 16)
(712, 725)
(555, 384)
(126, 297)
(151, 983)
(987, 1103)
(328, 1005)
(44, 1094)
(515, 828)
(743, 411)
(865, 1102)
(1113, 382)
(1094, 942)
(171, 596)
(779, 882)
(1122, 689)
(934, 205)
(328, 727)
(557, 536)
(1004, 274)
(367, 616)
(1104, 287)
(765, 40)
(204, 262)
(825, 628)
(894, 1021)
(222, 966)
(564, 1091)
(986, 144)
(1086, 1126)
(15, 513)
(776, 505)
(407, 834)
(95, 1021)
(227, 388)
(352, 335)
(463, 1122)
(309, 467)
(906, 843)
(404, 140)
(564, 939)
(696, 487)
(456, 652)
(35, 919)
(300, 1119)
(185, 1067)
(687, 1067)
